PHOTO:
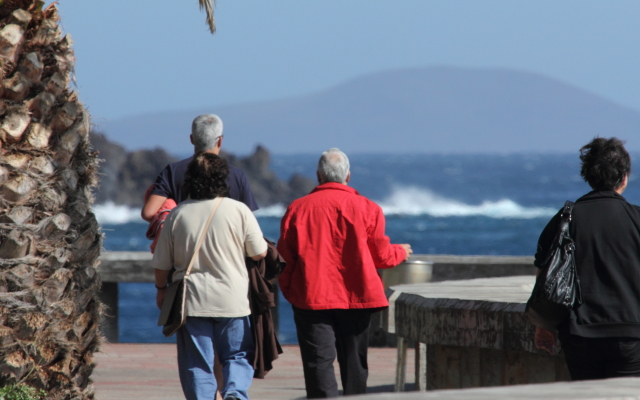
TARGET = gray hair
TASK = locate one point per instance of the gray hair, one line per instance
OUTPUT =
(205, 131)
(333, 166)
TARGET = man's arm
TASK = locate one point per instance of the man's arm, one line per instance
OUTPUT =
(151, 207)
(159, 194)
(260, 256)
(162, 262)
(161, 283)
(543, 339)
(287, 248)
(385, 254)
(407, 249)
(254, 240)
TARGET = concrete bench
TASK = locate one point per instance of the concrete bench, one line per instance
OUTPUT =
(469, 333)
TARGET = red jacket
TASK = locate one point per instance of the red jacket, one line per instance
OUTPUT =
(333, 240)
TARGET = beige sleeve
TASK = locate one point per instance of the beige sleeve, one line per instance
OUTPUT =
(163, 256)
(254, 242)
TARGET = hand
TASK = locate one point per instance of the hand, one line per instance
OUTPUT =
(407, 249)
(160, 297)
(545, 340)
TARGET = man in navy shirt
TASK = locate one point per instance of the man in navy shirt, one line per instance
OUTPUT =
(206, 135)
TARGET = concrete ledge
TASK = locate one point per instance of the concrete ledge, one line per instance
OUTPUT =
(449, 267)
(135, 266)
(126, 266)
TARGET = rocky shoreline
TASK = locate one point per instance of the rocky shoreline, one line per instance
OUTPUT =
(125, 176)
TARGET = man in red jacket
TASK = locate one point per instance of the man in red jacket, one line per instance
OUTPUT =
(333, 241)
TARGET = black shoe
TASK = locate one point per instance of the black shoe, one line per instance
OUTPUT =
(232, 397)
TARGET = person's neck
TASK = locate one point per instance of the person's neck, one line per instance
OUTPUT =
(215, 151)
(323, 182)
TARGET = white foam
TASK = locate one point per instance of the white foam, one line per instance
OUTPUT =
(110, 213)
(401, 201)
(418, 201)
(276, 210)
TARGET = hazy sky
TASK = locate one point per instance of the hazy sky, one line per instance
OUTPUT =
(151, 55)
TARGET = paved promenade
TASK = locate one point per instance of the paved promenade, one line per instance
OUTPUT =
(149, 371)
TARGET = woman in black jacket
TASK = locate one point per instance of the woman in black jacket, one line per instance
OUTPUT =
(601, 339)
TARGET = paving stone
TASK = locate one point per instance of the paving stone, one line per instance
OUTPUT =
(150, 371)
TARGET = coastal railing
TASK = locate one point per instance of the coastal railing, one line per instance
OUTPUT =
(131, 266)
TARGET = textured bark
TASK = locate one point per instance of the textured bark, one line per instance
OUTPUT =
(41, 104)
(10, 40)
(20, 17)
(4, 174)
(49, 238)
(16, 244)
(18, 215)
(19, 189)
(17, 87)
(14, 124)
(39, 135)
(32, 67)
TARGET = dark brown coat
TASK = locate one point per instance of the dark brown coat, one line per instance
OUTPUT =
(263, 276)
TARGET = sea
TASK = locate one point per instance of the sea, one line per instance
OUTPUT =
(440, 204)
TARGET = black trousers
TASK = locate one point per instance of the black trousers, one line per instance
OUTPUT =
(600, 358)
(323, 334)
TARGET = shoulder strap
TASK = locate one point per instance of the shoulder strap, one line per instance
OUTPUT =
(567, 210)
(202, 235)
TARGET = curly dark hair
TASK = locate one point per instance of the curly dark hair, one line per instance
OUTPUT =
(206, 177)
(605, 163)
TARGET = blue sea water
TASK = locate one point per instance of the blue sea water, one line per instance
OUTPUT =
(440, 204)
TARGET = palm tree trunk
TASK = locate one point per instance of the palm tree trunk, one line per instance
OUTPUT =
(49, 238)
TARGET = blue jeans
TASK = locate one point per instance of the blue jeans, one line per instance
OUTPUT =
(232, 339)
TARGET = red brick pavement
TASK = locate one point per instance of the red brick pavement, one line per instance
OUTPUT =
(149, 371)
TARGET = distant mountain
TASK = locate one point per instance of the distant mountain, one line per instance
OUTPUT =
(438, 109)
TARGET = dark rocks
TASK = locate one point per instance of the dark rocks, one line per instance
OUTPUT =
(266, 186)
(125, 176)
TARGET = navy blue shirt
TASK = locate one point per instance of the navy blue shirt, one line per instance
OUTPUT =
(170, 184)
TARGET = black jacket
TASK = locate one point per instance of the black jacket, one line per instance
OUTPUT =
(606, 232)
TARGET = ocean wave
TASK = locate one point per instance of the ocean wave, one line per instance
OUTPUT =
(401, 201)
(419, 201)
(110, 213)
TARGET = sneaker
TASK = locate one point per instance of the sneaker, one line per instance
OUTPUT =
(232, 397)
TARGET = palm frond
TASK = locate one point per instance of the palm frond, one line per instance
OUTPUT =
(209, 5)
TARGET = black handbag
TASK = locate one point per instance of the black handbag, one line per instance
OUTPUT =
(557, 288)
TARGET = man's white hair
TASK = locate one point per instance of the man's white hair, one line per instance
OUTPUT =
(205, 131)
(333, 166)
